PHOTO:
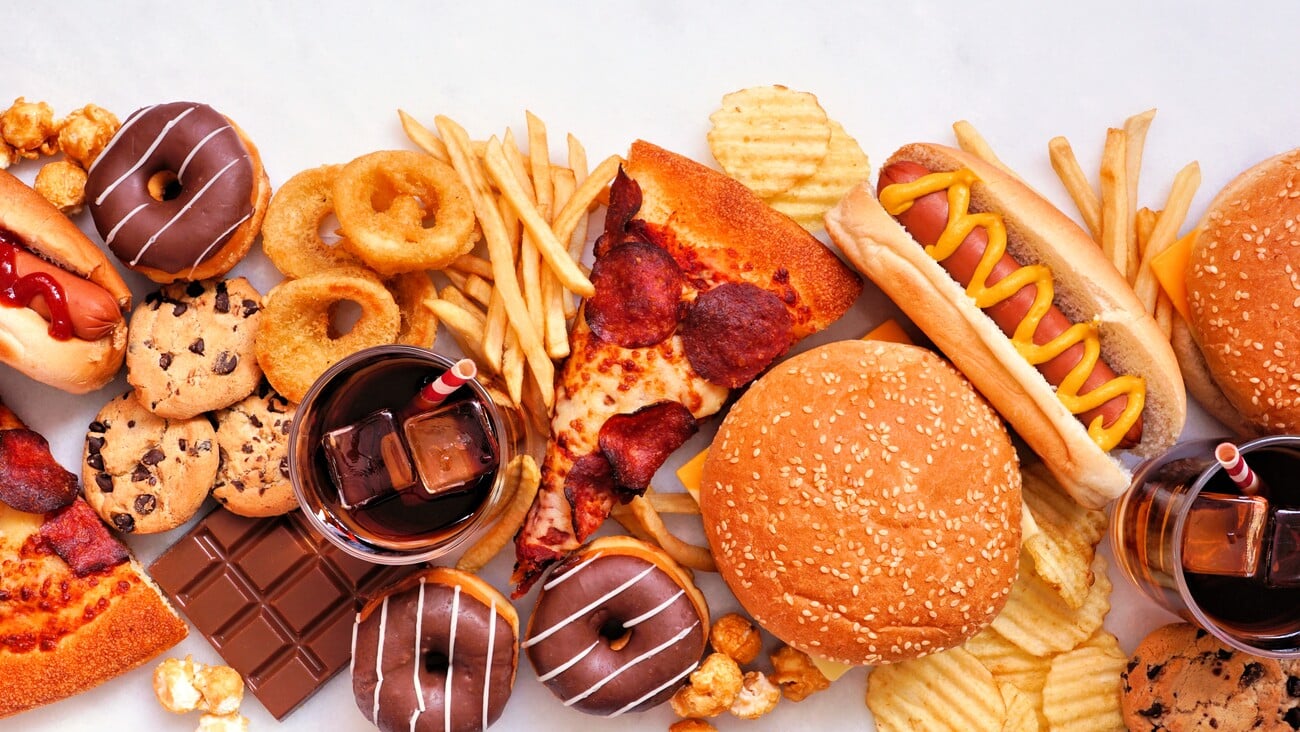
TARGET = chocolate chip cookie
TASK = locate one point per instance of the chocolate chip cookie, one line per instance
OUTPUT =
(190, 348)
(1182, 678)
(253, 439)
(143, 473)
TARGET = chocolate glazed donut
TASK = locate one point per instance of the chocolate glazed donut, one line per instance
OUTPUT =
(617, 628)
(173, 186)
(436, 653)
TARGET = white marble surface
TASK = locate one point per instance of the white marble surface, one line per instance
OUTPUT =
(316, 83)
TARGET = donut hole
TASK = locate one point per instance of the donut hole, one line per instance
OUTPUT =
(436, 663)
(615, 634)
(343, 315)
(328, 229)
(164, 185)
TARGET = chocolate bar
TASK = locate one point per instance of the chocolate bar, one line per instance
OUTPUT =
(274, 598)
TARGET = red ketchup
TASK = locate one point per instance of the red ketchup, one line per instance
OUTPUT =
(18, 291)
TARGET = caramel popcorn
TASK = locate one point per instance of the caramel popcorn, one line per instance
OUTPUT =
(736, 637)
(691, 725)
(85, 133)
(63, 184)
(796, 674)
(757, 696)
(8, 155)
(184, 686)
(29, 127)
(712, 690)
(223, 723)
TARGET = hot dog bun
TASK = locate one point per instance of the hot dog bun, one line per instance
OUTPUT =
(73, 365)
(1087, 286)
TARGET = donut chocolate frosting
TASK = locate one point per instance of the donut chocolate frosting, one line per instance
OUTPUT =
(212, 168)
(433, 657)
(593, 604)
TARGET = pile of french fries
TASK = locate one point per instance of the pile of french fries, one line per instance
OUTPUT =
(511, 311)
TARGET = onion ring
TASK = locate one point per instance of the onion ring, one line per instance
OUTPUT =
(291, 231)
(294, 346)
(419, 324)
(383, 200)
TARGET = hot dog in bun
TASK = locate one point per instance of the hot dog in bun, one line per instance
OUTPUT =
(61, 301)
(1023, 302)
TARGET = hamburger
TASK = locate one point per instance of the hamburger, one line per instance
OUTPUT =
(1238, 349)
(863, 504)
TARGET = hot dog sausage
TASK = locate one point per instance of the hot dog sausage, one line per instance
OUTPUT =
(92, 310)
(926, 220)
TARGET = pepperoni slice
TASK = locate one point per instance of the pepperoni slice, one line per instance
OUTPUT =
(31, 479)
(589, 488)
(638, 443)
(638, 288)
(77, 535)
(624, 202)
(734, 331)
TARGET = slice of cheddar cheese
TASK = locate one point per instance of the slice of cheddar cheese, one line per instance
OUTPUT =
(1170, 267)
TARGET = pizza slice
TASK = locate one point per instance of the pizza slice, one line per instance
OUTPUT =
(699, 287)
(75, 609)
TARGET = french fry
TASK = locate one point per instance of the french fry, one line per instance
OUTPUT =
(1165, 231)
(1165, 314)
(687, 555)
(672, 502)
(494, 331)
(970, 140)
(470, 264)
(1135, 134)
(523, 475)
(539, 163)
(577, 164)
(423, 138)
(556, 256)
(1114, 201)
(566, 221)
(464, 327)
(557, 331)
(459, 300)
(1144, 221)
(512, 368)
(472, 286)
(1076, 184)
(471, 173)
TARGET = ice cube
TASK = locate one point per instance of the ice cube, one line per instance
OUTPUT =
(1284, 550)
(367, 460)
(1224, 534)
(452, 446)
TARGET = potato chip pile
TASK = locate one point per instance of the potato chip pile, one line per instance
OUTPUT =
(1046, 663)
(781, 144)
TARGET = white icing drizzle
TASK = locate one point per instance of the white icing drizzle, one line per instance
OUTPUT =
(203, 255)
(415, 672)
(180, 174)
(118, 135)
(648, 654)
(569, 572)
(670, 682)
(646, 616)
(379, 658)
(451, 659)
(487, 673)
(141, 160)
(352, 662)
(188, 205)
(591, 606)
(415, 715)
(568, 664)
(112, 234)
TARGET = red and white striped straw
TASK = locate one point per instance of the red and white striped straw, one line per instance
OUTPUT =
(433, 393)
(1235, 466)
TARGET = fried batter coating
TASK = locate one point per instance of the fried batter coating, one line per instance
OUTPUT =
(85, 133)
(63, 184)
(29, 127)
(737, 637)
(796, 674)
(712, 690)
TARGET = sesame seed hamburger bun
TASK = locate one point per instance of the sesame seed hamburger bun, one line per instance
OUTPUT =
(1242, 282)
(863, 503)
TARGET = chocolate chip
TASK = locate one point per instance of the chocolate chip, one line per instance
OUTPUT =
(1200, 633)
(226, 362)
(124, 522)
(1293, 685)
(1155, 710)
(105, 482)
(288, 425)
(182, 443)
(284, 467)
(98, 426)
(140, 473)
(250, 307)
(1154, 670)
(153, 457)
(165, 361)
(1250, 674)
(145, 503)
(247, 449)
(197, 346)
(222, 302)
(204, 446)
(253, 420)
(1224, 654)
(130, 423)
(95, 461)
(194, 289)
(1132, 665)
(94, 444)
(238, 484)
(1292, 717)
(277, 405)
(179, 309)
